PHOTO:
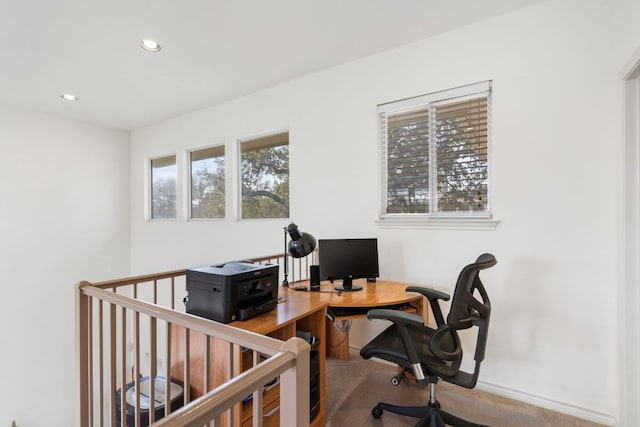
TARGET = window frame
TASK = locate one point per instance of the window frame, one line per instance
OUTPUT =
(446, 220)
(238, 162)
(189, 183)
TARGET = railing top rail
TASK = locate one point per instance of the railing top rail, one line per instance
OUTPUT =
(126, 281)
(212, 404)
(228, 333)
(138, 279)
(267, 258)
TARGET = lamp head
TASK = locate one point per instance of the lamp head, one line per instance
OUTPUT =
(301, 244)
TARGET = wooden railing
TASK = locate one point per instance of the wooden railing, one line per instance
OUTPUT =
(125, 332)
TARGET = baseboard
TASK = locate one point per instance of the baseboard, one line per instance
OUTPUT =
(531, 399)
(553, 405)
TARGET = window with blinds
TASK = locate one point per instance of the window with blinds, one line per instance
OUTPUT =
(435, 153)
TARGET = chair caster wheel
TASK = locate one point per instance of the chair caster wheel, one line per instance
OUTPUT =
(376, 413)
(395, 380)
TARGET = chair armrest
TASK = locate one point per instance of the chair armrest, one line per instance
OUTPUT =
(433, 296)
(395, 316)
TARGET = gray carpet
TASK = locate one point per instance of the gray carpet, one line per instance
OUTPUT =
(355, 387)
(356, 410)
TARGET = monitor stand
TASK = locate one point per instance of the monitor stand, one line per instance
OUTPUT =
(348, 286)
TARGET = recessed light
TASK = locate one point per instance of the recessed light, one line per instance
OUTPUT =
(150, 45)
(68, 97)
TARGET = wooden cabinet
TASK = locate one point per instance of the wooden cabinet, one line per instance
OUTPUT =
(282, 323)
(313, 323)
(297, 311)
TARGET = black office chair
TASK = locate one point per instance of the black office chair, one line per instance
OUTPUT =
(433, 354)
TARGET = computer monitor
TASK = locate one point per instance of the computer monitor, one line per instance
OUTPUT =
(348, 259)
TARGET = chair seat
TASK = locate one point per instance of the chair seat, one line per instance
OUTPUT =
(388, 346)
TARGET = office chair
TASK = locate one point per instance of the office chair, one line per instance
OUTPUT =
(433, 354)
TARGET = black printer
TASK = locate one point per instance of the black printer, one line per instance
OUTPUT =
(236, 290)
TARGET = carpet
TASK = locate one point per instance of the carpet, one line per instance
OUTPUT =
(353, 388)
(355, 410)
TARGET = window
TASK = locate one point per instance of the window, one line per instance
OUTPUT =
(435, 154)
(207, 182)
(265, 177)
(163, 188)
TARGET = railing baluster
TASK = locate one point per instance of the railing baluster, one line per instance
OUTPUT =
(257, 397)
(112, 362)
(153, 368)
(187, 365)
(155, 291)
(100, 364)
(136, 359)
(167, 369)
(207, 363)
(230, 374)
(91, 367)
(173, 293)
(123, 368)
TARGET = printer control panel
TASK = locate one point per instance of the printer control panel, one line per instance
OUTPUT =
(258, 286)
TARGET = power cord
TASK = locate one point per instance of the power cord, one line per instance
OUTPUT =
(339, 293)
(306, 289)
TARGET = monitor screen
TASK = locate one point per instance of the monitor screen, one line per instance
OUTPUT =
(348, 259)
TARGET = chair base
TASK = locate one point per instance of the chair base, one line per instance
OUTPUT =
(430, 416)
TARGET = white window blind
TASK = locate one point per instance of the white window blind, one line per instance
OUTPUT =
(435, 153)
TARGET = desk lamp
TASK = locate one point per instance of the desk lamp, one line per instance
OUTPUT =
(300, 245)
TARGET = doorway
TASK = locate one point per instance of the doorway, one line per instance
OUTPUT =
(629, 301)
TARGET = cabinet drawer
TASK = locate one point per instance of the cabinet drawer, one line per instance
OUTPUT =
(270, 415)
(270, 396)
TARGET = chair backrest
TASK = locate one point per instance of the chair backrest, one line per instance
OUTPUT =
(466, 309)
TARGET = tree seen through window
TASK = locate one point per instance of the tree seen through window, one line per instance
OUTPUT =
(208, 183)
(163, 188)
(265, 177)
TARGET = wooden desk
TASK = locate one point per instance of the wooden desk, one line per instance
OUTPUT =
(299, 310)
(373, 294)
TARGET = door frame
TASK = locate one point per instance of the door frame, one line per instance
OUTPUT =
(629, 295)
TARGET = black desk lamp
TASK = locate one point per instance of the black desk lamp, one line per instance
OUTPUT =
(300, 245)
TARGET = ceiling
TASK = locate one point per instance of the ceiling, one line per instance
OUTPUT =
(212, 50)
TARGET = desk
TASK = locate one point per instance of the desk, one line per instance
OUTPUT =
(299, 310)
(373, 294)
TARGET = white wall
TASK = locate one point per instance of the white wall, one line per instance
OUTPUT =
(626, 30)
(64, 218)
(555, 171)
